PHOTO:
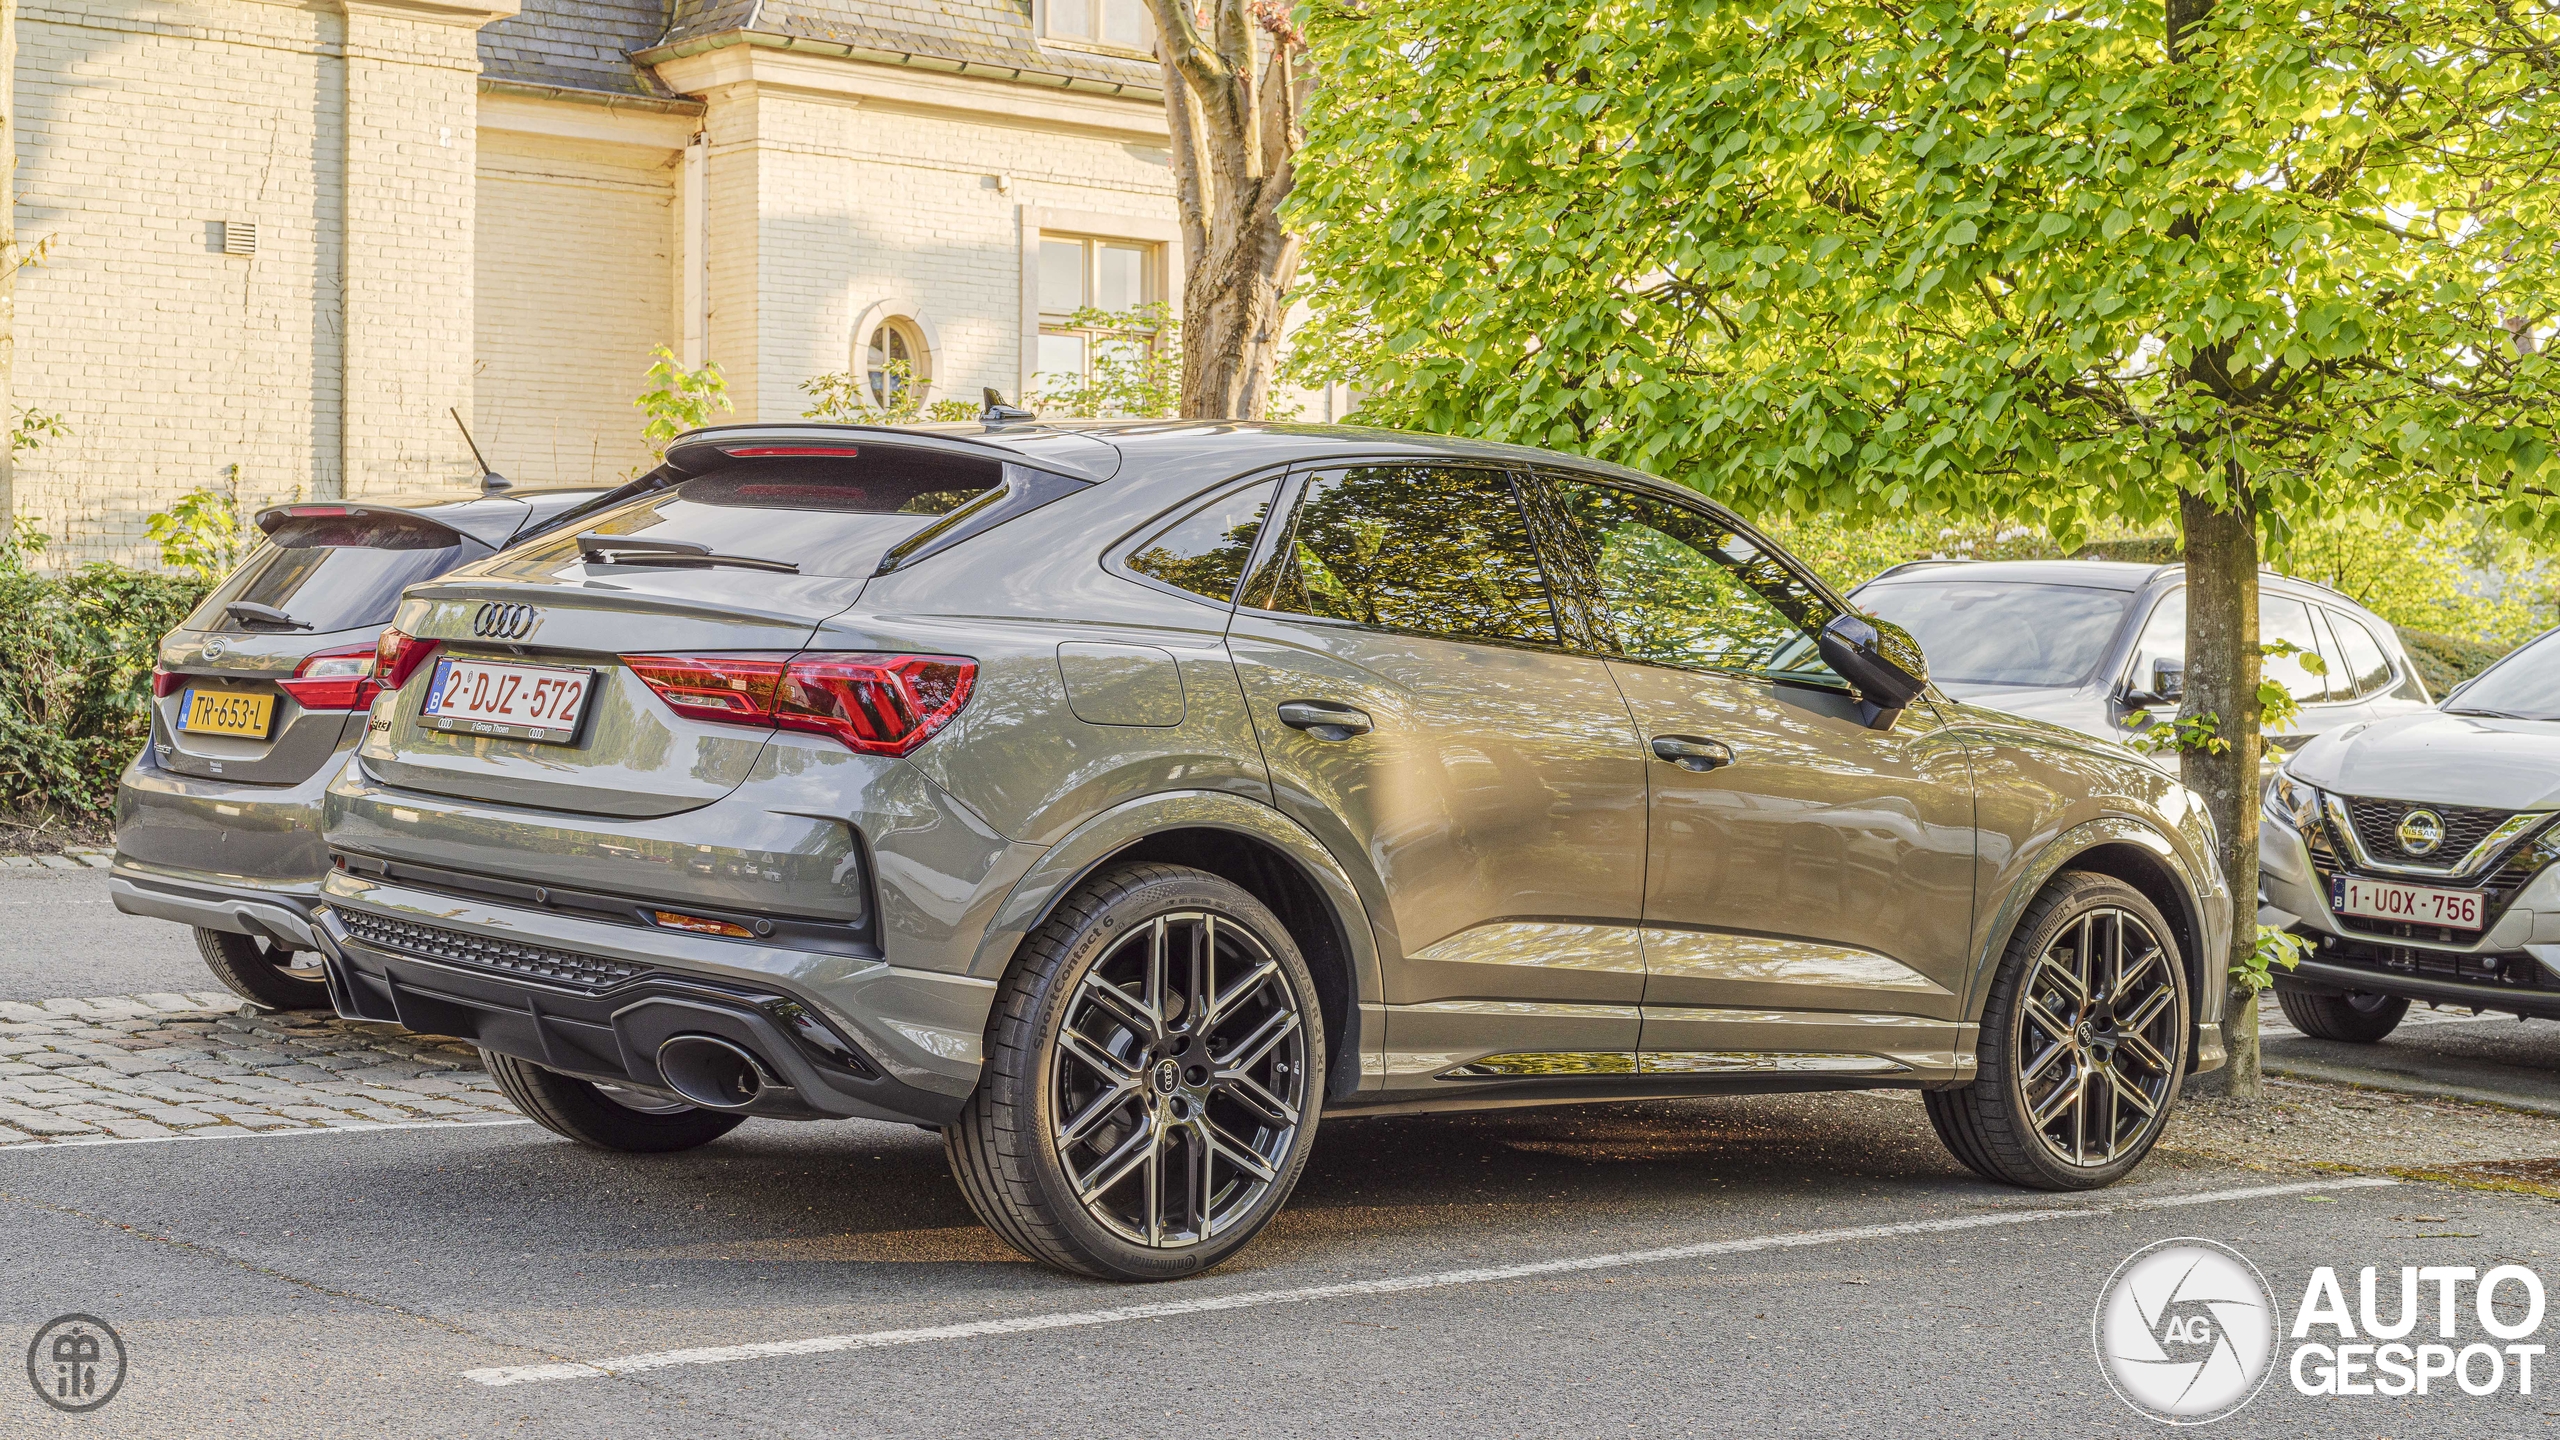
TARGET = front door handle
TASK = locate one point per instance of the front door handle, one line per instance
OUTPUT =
(1693, 752)
(1323, 719)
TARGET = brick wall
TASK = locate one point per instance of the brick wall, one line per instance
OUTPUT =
(576, 262)
(140, 128)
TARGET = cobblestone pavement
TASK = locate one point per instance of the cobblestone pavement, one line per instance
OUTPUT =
(164, 1066)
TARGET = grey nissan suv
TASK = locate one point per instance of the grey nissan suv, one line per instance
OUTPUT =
(258, 695)
(1119, 799)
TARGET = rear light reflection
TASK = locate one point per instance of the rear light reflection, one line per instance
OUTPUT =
(335, 680)
(702, 925)
(872, 704)
(398, 655)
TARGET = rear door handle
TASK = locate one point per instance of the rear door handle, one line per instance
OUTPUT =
(1693, 752)
(1323, 719)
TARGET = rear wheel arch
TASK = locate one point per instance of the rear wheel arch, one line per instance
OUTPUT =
(1245, 843)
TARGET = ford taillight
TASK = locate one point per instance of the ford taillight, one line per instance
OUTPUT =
(335, 679)
(872, 704)
(398, 655)
(165, 683)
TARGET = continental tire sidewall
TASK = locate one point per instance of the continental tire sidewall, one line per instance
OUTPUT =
(1034, 1098)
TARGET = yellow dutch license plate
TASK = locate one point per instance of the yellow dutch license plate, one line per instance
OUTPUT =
(227, 712)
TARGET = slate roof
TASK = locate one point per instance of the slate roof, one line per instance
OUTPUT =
(576, 45)
(587, 44)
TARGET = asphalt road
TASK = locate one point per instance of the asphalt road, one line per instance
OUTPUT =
(1667, 1269)
(60, 935)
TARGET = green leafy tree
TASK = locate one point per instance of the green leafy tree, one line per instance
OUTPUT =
(1135, 371)
(2208, 262)
(845, 398)
(203, 533)
(677, 400)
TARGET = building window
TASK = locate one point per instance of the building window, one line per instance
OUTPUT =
(1116, 24)
(1094, 296)
(896, 362)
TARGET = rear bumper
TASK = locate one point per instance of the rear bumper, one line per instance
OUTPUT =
(221, 855)
(840, 1035)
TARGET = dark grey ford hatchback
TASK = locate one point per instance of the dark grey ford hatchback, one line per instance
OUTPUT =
(1121, 799)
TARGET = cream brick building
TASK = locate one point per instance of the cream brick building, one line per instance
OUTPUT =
(287, 238)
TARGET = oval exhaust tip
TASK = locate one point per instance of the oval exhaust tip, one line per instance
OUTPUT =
(710, 1072)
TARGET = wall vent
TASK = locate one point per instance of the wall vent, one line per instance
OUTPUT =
(239, 237)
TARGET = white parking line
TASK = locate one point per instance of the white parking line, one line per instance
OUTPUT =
(231, 1134)
(1432, 1280)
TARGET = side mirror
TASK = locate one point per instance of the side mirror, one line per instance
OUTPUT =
(2168, 686)
(1879, 658)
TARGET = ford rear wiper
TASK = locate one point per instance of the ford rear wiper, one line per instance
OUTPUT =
(601, 549)
(263, 615)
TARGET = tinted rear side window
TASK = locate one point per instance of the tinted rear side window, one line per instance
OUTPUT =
(1205, 551)
(2007, 633)
(335, 572)
(828, 515)
(1437, 549)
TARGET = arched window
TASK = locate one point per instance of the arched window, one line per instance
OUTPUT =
(896, 363)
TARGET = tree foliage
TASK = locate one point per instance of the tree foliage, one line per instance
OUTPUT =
(1988, 258)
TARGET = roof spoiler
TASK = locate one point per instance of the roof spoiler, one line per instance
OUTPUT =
(495, 532)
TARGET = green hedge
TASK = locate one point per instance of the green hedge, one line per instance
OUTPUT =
(2445, 661)
(76, 653)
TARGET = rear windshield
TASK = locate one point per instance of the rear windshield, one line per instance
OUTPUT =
(1983, 633)
(828, 515)
(332, 572)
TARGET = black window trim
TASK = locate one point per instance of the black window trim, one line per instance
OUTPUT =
(1115, 556)
(1699, 504)
(1293, 489)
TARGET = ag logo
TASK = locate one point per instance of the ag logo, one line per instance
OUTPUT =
(2186, 1331)
(76, 1363)
(2421, 831)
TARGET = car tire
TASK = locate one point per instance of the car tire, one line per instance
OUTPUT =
(262, 972)
(1138, 1119)
(2053, 1040)
(2357, 1019)
(629, 1121)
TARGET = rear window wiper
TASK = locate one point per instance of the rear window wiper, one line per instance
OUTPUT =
(600, 549)
(263, 615)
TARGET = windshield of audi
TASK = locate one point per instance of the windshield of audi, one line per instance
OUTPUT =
(2524, 686)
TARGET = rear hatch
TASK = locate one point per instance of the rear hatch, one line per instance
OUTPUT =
(261, 683)
(518, 687)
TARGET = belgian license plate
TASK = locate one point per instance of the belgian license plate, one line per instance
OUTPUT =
(2417, 904)
(226, 712)
(521, 702)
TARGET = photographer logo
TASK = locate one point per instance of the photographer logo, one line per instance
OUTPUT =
(76, 1363)
(2186, 1331)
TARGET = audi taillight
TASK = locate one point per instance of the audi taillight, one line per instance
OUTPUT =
(871, 704)
(335, 679)
(398, 655)
(713, 687)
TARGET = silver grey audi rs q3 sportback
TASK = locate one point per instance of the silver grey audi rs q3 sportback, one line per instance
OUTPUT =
(1121, 799)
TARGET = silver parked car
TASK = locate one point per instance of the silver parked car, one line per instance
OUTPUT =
(2418, 853)
(259, 695)
(2101, 645)
(1121, 799)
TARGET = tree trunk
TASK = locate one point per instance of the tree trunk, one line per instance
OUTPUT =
(1234, 147)
(2222, 681)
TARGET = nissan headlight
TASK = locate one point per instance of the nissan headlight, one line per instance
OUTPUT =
(2289, 802)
